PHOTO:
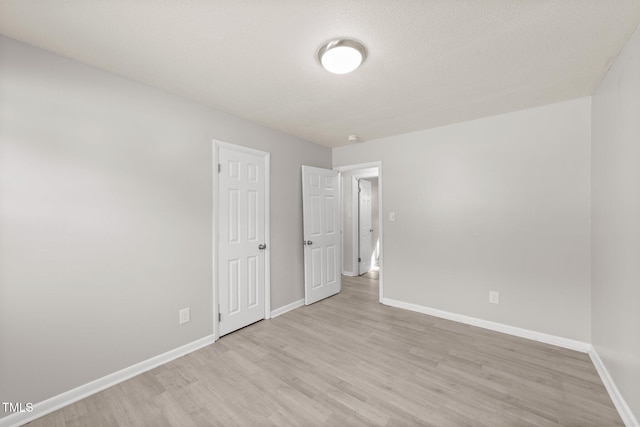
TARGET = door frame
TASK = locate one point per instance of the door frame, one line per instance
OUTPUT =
(216, 145)
(378, 165)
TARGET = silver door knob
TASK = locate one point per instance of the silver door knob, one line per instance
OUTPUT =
(262, 246)
(309, 242)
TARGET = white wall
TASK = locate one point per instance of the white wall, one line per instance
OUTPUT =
(616, 222)
(501, 203)
(106, 220)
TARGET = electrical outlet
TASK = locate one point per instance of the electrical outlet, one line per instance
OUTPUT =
(494, 297)
(184, 315)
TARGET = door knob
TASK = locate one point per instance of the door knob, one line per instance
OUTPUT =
(262, 246)
(309, 242)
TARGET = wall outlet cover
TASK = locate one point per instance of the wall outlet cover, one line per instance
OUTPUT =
(184, 315)
(494, 297)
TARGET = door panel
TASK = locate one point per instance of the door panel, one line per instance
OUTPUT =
(241, 228)
(365, 229)
(321, 210)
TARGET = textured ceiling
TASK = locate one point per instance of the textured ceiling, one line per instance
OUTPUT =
(430, 63)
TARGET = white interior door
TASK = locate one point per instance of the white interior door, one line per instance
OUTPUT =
(321, 217)
(242, 184)
(365, 230)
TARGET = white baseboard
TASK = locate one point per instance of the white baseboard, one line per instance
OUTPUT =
(68, 397)
(621, 405)
(494, 326)
(286, 308)
(349, 273)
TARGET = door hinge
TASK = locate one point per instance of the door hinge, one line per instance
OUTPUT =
(219, 314)
(219, 167)
(359, 259)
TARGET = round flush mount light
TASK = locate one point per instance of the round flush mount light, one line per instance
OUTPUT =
(341, 56)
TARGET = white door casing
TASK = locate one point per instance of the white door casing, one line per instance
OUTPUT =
(242, 260)
(365, 230)
(321, 218)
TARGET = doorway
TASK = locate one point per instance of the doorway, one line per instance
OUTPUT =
(367, 189)
(358, 232)
(241, 237)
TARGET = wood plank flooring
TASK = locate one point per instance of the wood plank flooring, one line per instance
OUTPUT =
(350, 361)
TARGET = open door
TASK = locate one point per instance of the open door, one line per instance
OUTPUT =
(242, 213)
(321, 218)
(365, 229)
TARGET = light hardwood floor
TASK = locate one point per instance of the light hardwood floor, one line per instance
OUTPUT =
(348, 361)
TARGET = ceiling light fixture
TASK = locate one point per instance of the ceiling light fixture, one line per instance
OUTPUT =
(341, 56)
